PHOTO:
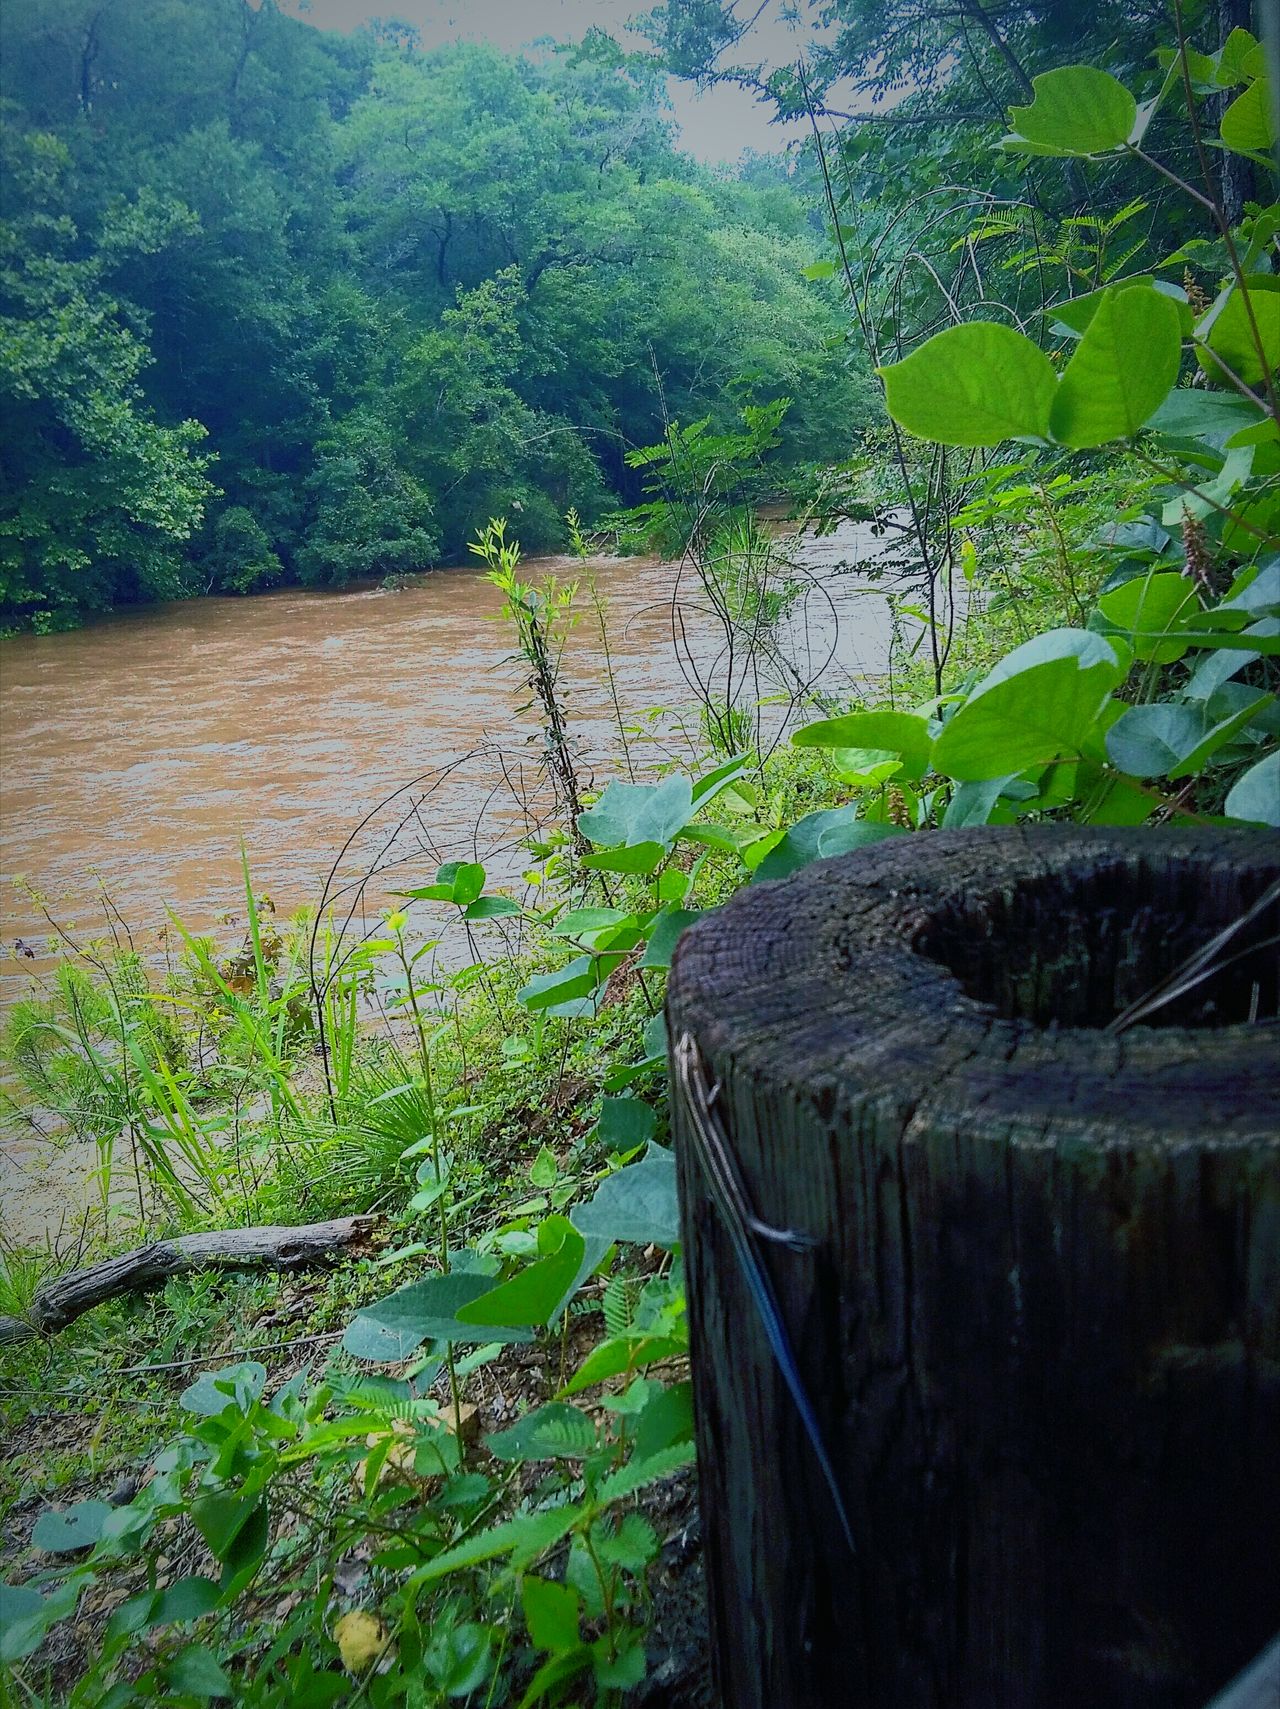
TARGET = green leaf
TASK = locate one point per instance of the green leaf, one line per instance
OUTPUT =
(1039, 704)
(196, 1673)
(637, 1203)
(637, 1474)
(425, 1311)
(22, 1621)
(1075, 110)
(902, 733)
(1255, 708)
(624, 1667)
(667, 1418)
(977, 384)
(555, 1431)
(628, 814)
(578, 979)
(1074, 315)
(492, 908)
(642, 858)
(803, 841)
(634, 1351)
(1255, 797)
(551, 1613)
(186, 1599)
(626, 1123)
(1151, 609)
(819, 270)
(556, 1670)
(1215, 417)
(973, 803)
(531, 1296)
(234, 1385)
(664, 933)
(77, 1527)
(221, 1517)
(1123, 369)
(1227, 332)
(1246, 125)
(524, 1538)
(1149, 741)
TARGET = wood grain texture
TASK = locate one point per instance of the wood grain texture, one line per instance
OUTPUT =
(61, 1301)
(1040, 1323)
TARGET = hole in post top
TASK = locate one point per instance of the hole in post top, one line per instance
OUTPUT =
(1079, 948)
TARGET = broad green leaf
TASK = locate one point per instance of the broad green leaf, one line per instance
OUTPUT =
(901, 733)
(819, 270)
(530, 1297)
(977, 384)
(234, 1385)
(1075, 110)
(222, 1518)
(1149, 741)
(1215, 417)
(1254, 710)
(664, 934)
(196, 1673)
(1151, 609)
(1039, 704)
(626, 1123)
(629, 814)
(642, 858)
(1255, 797)
(667, 1418)
(578, 979)
(1246, 125)
(637, 1203)
(77, 1527)
(555, 1431)
(186, 1599)
(1074, 315)
(425, 1311)
(722, 777)
(555, 1671)
(802, 842)
(551, 1613)
(492, 908)
(1228, 332)
(972, 803)
(1123, 369)
(22, 1627)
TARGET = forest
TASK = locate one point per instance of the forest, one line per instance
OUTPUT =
(716, 1148)
(289, 306)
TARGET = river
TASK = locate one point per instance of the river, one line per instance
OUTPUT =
(139, 751)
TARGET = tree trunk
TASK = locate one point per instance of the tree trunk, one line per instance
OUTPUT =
(1237, 181)
(61, 1301)
(1039, 1320)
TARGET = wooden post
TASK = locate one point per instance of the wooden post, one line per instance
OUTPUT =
(1039, 1320)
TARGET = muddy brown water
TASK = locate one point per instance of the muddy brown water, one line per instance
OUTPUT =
(136, 754)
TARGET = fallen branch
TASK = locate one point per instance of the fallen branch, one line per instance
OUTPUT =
(59, 1302)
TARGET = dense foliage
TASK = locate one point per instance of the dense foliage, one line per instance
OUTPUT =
(287, 305)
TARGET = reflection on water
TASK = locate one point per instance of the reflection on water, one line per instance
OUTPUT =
(143, 749)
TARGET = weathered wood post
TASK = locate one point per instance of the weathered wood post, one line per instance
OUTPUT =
(1039, 1317)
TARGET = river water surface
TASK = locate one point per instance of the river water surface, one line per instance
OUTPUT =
(138, 752)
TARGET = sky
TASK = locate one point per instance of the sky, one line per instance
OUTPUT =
(715, 126)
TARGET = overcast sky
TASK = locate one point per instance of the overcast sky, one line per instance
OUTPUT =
(715, 126)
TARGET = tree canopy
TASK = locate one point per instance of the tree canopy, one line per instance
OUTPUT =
(281, 304)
